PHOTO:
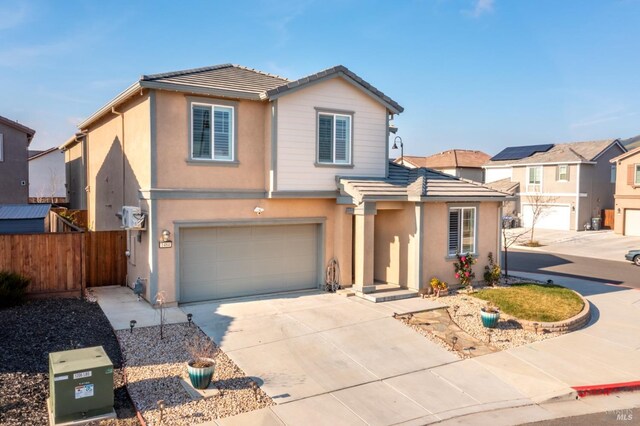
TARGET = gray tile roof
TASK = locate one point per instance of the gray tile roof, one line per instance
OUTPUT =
(24, 211)
(563, 152)
(419, 184)
(226, 77)
(337, 70)
(504, 185)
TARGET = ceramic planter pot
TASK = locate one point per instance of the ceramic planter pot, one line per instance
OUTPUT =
(489, 319)
(200, 377)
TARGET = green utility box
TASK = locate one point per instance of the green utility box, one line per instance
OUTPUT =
(80, 385)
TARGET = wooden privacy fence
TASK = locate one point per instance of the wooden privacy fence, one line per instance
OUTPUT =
(65, 263)
(608, 218)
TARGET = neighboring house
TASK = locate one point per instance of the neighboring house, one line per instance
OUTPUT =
(631, 143)
(14, 170)
(75, 159)
(572, 182)
(47, 178)
(462, 163)
(627, 204)
(251, 183)
(24, 218)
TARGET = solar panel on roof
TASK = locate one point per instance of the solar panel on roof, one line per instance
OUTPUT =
(520, 152)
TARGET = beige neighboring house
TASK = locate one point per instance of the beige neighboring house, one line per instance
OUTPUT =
(572, 182)
(627, 196)
(252, 183)
(464, 163)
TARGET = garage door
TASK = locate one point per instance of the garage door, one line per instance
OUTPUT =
(632, 223)
(552, 217)
(222, 262)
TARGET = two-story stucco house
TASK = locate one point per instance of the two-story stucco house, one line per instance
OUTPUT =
(573, 182)
(14, 169)
(627, 196)
(251, 183)
(464, 163)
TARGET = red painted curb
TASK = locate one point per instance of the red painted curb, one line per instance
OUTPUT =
(606, 389)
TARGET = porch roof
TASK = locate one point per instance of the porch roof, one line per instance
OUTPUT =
(419, 184)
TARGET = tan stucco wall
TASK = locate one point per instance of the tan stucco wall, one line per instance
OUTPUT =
(173, 147)
(395, 231)
(114, 181)
(626, 196)
(435, 260)
(337, 241)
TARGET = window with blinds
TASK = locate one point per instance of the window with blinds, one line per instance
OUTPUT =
(334, 138)
(462, 230)
(211, 132)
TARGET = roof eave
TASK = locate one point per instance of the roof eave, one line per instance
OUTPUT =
(463, 199)
(613, 143)
(124, 95)
(198, 90)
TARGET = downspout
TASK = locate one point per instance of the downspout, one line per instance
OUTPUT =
(121, 114)
(578, 197)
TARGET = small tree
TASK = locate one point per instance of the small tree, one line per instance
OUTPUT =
(491, 271)
(509, 239)
(539, 208)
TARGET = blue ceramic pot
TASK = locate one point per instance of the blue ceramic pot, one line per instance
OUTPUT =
(489, 319)
(200, 376)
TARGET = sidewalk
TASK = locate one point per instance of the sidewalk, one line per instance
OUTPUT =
(542, 374)
(594, 244)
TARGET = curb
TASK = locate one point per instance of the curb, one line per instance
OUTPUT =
(606, 389)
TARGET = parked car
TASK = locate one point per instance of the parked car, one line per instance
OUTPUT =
(633, 256)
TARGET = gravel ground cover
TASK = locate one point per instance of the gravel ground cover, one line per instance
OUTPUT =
(28, 333)
(154, 368)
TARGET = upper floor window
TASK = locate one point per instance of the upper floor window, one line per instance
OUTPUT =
(534, 179)
(462, 230)
(613, 173)
(334, 138)
(212, 132)
(637, 174)
(563, 172)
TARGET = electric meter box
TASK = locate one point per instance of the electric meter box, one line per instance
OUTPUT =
(80, 385)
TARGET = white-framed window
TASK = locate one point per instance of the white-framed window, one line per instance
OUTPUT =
(614, 173)
(534, 179)
(212, 132)
(334, 138)
(1, 147)
(563, 172)
(462, 230)
(637, 175)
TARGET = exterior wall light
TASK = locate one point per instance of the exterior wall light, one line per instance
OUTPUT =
(166, 235)
(258, 210)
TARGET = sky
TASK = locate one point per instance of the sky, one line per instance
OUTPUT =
(471, 74)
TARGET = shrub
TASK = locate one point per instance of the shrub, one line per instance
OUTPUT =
(492, 272)
(463, 269)
(13, 288)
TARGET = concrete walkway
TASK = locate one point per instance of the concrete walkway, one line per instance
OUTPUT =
(593, 244)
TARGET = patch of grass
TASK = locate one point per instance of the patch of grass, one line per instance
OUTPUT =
(534, 302)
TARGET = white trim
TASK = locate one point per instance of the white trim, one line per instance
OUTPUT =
(566, 173)
(635, 174)
(554, 194)
(548, 204)
(577, 215)
(461, 230)
(212, 130)
(538, 164)
(333, 138)
(528, 178)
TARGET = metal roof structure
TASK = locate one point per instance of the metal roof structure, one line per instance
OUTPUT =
(419, 184)
(24, 211)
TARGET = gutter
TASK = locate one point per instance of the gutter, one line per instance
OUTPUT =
(127, 93)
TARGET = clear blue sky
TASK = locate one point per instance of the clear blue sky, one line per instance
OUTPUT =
(476, 74)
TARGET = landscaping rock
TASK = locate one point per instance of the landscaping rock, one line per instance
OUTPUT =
(28, 333)
(154, 370)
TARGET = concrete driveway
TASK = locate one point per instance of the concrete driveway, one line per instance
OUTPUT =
(327, 359)
(595, 244)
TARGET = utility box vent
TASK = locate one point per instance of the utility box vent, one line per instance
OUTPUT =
(132, 218)
(80, 385)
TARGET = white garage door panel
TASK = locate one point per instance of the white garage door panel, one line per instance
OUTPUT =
(552, 217)
(217, 263)
(632, 223)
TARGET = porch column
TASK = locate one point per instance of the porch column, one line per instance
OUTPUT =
(363, 247)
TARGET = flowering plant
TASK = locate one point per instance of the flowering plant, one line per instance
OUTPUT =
(463, 271)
